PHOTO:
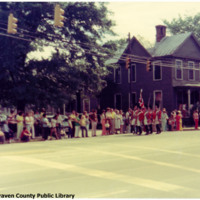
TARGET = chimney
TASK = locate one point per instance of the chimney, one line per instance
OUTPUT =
(160, 32)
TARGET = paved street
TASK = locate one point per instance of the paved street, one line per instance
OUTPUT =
(117, 166)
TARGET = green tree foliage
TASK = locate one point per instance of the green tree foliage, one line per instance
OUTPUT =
(184, 24)
(77, 64)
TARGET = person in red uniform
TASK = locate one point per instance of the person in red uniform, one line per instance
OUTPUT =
(146, 120)
(150, 120)
(157, 119)
(196, 118)
(139, 120)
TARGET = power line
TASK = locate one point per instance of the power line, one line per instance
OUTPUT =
(134, 58)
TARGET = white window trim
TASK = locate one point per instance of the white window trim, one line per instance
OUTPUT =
(120, 72)
(180, 68)
(115, 101)
(129, 73)
(191, 69)
(84, 100)
(154, 97)
(160, 64)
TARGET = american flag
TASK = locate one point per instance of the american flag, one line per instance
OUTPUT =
(141, 101)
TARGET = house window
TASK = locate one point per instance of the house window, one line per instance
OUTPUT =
(118, 101)
(179, 69)
(132, 73)
(86, 105)
(191, 70)
(157, 71)
(158, 98)
(117, 75)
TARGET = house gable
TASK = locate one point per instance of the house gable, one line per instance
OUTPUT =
(190, 49)
(135, 48)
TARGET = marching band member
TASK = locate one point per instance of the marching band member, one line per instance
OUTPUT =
(158, 120)
(146, 120)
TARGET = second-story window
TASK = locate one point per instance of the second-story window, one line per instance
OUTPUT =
(132, 73)
(157, 71)
(179, 69)
(191, 70)
(118, 75)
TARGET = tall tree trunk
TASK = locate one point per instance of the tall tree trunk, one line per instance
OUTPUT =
(21, 105)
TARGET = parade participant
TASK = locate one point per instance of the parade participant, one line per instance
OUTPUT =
(107, 126)
(150, 120)
(146, 121)
(37, 123)
(73, 119)
(9, 133)
(67, 126)
(122, 121)
(179, 121)
(157, 119)
(20, 123)
(127, 120)
(12, 122)
(164, 119)
(83, 126)
(2, 137)
(139, 118)
(58, 124)
(53, 130)
(25, 135)
(196, 119)
(108, 118)
(103, 121)
(29, 123)
(132, 119)
(117, 122)
(45, 127)
(94, 120)
(113, 115)
(77, 125)
(87, 121)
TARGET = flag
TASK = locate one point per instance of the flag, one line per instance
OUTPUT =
(141, 102)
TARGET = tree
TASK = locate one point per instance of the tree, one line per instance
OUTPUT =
(78, 63)
(184, 24)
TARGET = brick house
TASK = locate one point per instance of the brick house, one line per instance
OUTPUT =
(173, 82)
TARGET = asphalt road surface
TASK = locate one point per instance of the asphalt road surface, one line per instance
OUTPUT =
(117, 166)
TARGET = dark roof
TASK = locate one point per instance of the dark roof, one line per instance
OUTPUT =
(125, 50)
(169, 45)
(117, 55)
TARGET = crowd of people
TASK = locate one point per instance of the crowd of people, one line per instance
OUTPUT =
(24, 127)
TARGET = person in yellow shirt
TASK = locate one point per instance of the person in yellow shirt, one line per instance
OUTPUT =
(20, 124)
(83, 126)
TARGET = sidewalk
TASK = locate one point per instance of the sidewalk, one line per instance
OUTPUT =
(98, 133)
(39, 138)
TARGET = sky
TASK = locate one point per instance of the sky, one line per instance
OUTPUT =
(141, 17)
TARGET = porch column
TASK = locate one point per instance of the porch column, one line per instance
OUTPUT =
(189, 100)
